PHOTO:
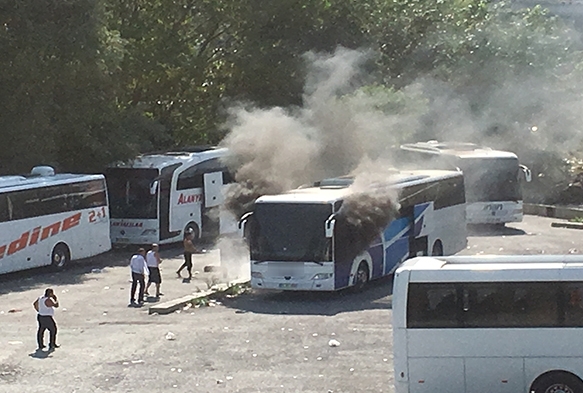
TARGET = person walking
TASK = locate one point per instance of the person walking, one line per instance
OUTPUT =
(153, 262)
(189, 249)
(139, 272)
(45, 308)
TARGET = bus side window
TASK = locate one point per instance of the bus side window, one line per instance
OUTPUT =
(4, 211)
(573, 304)
(190, 178)
(432, 306)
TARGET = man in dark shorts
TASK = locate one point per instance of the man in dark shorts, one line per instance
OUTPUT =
(153, 261)
(189, 249)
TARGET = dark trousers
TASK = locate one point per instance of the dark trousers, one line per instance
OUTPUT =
(187, 264)
(46, 322)
(137, 278)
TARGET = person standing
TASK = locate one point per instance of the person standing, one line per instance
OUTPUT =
(153, 261)
(189, 249)
(45, 308)
(139, 272)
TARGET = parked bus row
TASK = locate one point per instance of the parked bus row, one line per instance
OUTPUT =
(157, 197)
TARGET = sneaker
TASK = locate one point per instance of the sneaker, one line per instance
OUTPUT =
(146, 293)
(178, 274)
(55, 346)
(159, 294)
(41, 348)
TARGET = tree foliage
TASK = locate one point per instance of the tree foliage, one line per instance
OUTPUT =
(87, 82)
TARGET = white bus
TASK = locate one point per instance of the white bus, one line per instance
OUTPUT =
(300, 240)
(155, 198)
(492, 177)
(51, 219)
(483, 324)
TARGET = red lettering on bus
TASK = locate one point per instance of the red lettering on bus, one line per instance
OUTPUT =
(19, 243)
(72, 221)
(51, 230)
(34, 236)
(193, 198)
(31, 237)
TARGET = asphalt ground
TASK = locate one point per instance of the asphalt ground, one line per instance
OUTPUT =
(255, 342)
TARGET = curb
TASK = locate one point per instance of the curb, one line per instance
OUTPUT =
(570, 225)
(562, 212)
(176, 304)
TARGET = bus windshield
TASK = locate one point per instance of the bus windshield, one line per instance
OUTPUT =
(129, 192)
(491, 179)
(289, 232)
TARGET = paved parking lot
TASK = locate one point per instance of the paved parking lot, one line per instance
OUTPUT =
(257, 342)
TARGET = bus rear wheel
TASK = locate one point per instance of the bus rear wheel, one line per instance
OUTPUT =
(557, 382)
(192, 227)
(60, 256)
(361, 277)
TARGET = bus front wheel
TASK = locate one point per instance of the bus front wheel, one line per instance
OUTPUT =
(60, 256)
(555, 382)
(361, 277)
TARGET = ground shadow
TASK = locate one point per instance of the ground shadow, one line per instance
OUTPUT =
(39, 354)
(478, 230)
(377, 295)
(76, 272)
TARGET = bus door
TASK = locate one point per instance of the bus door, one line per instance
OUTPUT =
(213, 199)
(164, 186)
(417, 238)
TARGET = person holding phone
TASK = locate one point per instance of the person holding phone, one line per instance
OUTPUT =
(45, 308)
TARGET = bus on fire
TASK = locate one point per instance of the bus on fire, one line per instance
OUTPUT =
(302, 239)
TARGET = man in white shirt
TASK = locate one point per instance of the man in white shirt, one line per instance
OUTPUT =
(45, 308)
(139, 273)
(153, 261)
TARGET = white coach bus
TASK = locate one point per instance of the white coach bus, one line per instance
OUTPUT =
(301, 240)
(483, 324)
(492, 177)
(155, 198)
(50, 219)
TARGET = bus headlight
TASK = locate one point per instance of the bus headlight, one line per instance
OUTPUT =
(256, 275)
(322, 276)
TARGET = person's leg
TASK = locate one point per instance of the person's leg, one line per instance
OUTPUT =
(52, 326)
(158, 293)
(185, 264)
(134, 286)
(188, 262)
(41, 332)
(148, 286)
(141, 290)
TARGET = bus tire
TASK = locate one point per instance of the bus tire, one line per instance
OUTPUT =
(557, 381)
(437, 250)
(192, 227)
(361, 277)
(60, 256)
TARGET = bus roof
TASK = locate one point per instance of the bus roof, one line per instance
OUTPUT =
(163, 159)
(457, 149)
(488, 267)
(334, 189)
(13, 183)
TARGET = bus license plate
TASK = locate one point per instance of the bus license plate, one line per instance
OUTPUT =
(288, 285)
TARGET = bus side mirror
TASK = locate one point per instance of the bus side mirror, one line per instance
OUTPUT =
(329, 226)
(243, 224)
(527, 173)
(154, 187)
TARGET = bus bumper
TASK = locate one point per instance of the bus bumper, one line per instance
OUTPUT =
(291, 285)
